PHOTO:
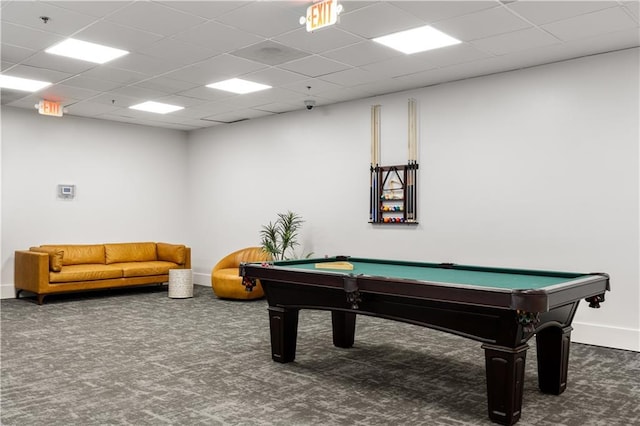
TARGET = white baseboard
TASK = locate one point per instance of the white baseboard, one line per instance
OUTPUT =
(202, 279)
(611, 337)
(7, 291)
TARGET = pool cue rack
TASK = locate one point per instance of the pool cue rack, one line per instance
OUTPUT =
(394, 199)
(393, 195)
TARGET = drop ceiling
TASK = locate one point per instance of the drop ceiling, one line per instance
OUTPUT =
(177, 47)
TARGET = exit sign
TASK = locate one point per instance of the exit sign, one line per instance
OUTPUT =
(50, 108)
(321, 14)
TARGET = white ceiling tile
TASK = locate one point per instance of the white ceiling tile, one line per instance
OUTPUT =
(66, 94)
(6, 65)
(311, 87)
(118, 36)
(140, 92)
(240, 115)
(114, 74)
(143, 64)
(155, 18)
(36, 73)
(515, 41)
(318, 41)
(345, 94)
(434, 11)
(117, 100)
(96, 8)
(15, 98)
(349, 6)
(96, 84)
(15, 54)
(219, 37)
(27, 37)
(251, 18)
(485, 23)
(350, 77)
(180, 100)
(274, 76)
(61, 21)
(206, 93)
(362, 53)
(165, 84)
(89, 109)
(205, 9)
(591, 24)
(633, 7)
(314, 66)
(215, 69)
(277, 107)
(388, 19)
(270, 53)
(410, 64)
(544, 12)
(179, 52)
(59, 63)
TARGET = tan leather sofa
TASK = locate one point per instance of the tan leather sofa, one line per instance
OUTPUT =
(226, 281)
(53, 269)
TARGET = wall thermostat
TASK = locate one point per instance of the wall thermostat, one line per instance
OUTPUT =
(66, 192)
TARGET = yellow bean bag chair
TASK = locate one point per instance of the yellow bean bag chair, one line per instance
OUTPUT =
(225, 277)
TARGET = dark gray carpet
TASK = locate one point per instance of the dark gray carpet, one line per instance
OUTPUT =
(136, 357)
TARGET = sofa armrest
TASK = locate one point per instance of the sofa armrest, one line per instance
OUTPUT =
(31, 271)
(187, 258)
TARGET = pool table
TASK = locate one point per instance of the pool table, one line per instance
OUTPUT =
(502, 308)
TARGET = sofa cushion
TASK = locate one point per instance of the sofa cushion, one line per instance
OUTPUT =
(143, 269)
(78, 254)
(175, 253)
(55, 256)
(130, 252)
(86, 272)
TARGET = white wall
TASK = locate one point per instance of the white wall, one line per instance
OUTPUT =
(536, 168)
(130, 181)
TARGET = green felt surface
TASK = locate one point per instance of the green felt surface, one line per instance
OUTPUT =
(500, 279)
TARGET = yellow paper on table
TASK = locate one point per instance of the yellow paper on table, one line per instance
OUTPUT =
(335, 265)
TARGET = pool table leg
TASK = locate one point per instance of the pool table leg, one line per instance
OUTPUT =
(505, 382)
(552, 347)
(283, 323)
(344, 328)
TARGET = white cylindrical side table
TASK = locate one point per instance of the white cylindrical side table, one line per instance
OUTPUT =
(180, 283)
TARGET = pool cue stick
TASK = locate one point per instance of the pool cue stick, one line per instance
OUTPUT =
(376, 181)
(410, 134)
(371, 203)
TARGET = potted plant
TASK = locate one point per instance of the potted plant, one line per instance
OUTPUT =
(280, 238)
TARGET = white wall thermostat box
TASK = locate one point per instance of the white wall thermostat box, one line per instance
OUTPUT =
(66, 192)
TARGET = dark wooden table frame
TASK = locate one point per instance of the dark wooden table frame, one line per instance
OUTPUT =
(502, 320)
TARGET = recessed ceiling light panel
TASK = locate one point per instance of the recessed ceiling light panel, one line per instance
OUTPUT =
(417, 40)
(22, 84)
(86, 51)
(157, 107)
(238, 85)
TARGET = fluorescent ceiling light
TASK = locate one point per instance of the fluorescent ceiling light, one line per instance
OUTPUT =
(417, 40)
(238, 85)
(86, 51)
(156, 107)
(24, 84)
